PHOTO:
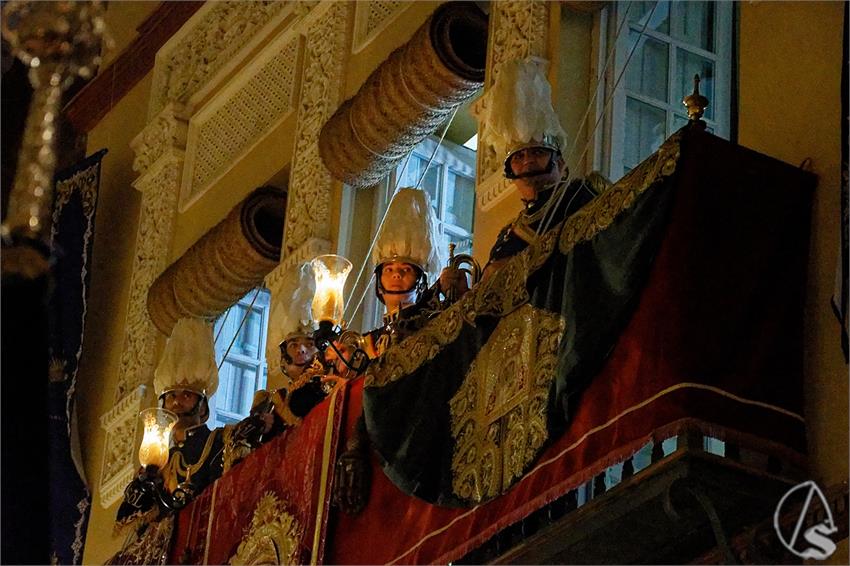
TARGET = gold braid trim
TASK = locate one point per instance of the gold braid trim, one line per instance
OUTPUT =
(498, 416)
(273, 537)
(506, 290)
(598, 214)
(177, 467)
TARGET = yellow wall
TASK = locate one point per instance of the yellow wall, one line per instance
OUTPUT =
(121, 24)
(112, 263)
(790, 108)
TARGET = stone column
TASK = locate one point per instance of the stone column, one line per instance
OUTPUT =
(159, 150)
(310, 183)
(307, 230)
(518, 29)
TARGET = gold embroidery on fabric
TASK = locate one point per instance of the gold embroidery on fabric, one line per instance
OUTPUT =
(273, 536)
(506, 290)
(151, 545)
(601, 212)
(498, 415)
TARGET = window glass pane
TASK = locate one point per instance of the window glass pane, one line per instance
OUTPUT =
(460, 199)
(693, 23)
(431, 182)
(689, 64)
(248, 341)
(678, 122)
(647, 71)
(645, 130)
(462, 242)
(639, 12)
(240, 385)
(238, 377)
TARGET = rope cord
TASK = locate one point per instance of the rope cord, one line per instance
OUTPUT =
(368, 255)
(556, 199)
(412, 97)
(362, 143)
(241, 323)
(220, 328)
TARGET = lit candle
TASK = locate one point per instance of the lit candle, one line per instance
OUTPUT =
(330, 272)
(156, 438)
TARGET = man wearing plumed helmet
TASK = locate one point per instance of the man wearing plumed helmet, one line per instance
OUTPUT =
(524, 127)
(184, 380)
(406, 252)
(301, 382)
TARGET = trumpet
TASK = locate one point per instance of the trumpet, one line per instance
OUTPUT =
(464, 263)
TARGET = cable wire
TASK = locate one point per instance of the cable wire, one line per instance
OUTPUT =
(367, 257)
(555, 200)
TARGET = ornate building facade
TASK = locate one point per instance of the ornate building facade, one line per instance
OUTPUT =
(237, 96)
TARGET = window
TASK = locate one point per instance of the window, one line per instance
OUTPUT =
(450, 183)
(680, 39)
(244, 369)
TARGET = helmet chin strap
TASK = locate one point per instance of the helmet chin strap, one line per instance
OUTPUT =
(386, 292)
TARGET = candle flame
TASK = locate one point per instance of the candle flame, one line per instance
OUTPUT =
(330, 273)
(155, 441)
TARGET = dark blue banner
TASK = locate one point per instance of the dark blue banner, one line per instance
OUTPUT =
(72, 236)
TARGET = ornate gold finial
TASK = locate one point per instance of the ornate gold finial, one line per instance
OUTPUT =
(696, 104)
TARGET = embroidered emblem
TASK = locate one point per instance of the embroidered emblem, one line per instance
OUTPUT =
(498, 415)
(273, 536)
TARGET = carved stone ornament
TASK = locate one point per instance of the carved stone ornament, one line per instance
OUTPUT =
(156, 228)
(219, 38)
(493, 190)
(159, 160)
(162, 134)
(499, 413)
(518, 29)
(118, 464)
(216, 34)
(252, 105)
(310, 183)
(272, 538)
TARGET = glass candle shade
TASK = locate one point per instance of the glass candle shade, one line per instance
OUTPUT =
(330, 272)
(156, 438)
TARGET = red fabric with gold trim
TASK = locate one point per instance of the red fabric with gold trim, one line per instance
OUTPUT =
(297, 467)
(716, 342)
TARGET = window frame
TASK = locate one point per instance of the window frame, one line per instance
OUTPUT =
(609, 146)
(234, 358)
